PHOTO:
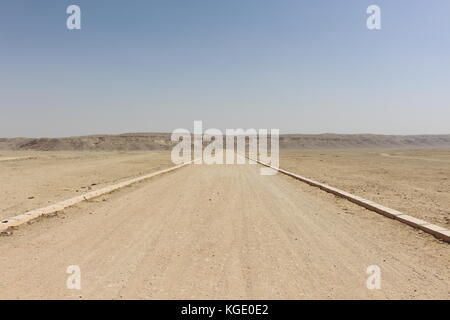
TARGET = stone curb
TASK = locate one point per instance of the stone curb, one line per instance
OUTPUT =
(54, 208)
(437, 231)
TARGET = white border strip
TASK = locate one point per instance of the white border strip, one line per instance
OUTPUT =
(437, 231)
(30, 215)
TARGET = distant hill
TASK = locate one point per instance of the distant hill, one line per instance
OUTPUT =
(161, 141)
(338, 141)
(142, 141)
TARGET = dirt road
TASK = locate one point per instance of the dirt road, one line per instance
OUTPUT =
(207, 232)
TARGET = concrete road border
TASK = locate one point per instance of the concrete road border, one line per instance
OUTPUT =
(54, 208)
(437, 231)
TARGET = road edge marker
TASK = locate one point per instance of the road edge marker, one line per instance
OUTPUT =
(435, 230)
(57, 207)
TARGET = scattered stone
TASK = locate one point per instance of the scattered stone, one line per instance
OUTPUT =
(6, 233)
(50, 215)
(30, 198)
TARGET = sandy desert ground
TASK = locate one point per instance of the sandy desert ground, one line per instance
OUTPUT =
(184, 235)
(416, 182)
(34, 179)
(207, 232)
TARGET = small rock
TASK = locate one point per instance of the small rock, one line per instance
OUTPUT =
(30, 198)
(53, 214)
(6, 233)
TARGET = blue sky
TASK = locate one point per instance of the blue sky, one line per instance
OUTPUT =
(157, 65)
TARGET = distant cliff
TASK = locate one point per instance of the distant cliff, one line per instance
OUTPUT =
(161, 141)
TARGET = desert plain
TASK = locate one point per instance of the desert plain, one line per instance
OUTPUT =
(225, 231)
(416, 181)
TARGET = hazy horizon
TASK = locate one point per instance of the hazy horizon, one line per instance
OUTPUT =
(150, 133)
(304, 67)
